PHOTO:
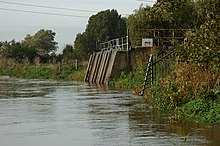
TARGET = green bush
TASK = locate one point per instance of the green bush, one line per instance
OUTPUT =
(202, 110)
(203, 46)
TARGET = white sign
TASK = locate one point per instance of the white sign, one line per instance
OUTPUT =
(147, 42)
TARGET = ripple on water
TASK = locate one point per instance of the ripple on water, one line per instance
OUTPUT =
(47, 112)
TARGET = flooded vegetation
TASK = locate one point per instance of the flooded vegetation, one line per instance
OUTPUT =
(48, 112)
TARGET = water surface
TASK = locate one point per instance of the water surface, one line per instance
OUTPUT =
(55, 113)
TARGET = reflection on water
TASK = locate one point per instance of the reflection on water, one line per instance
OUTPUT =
(52, 113)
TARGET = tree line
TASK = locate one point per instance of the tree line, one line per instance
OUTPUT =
(40, 47)
(108, 24)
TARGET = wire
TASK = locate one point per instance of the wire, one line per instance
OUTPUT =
(147, 1)
(37, 12)
(49, 7)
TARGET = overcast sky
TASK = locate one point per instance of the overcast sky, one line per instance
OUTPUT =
(15, 24)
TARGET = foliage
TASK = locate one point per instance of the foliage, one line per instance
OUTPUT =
(208, 8)
(41, 45)
(128, 81)
(80, 46)
(28, 72)
(137, 21)
(192, 88)
(203, 46)
(165, 14)
(72, 74)
(47, 71)
(103, 26)
(43, 42)
(18, 51)
(186, 82)
(106, 25)
(204, 109)
(69, 53)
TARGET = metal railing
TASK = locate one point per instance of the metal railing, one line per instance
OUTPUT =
(161, 37)
(157, 67)
(120, 44)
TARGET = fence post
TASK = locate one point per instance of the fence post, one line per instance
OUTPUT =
(76, 64)
(59, 66)
(154, 77)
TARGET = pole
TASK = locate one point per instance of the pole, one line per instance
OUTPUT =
(127, 40)
(76, 64)
(59, 66)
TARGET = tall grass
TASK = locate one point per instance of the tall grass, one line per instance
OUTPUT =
(49, 71)
(129, 81)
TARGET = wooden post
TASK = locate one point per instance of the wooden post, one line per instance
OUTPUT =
(158, 38)
(154, 70)
(76, 64)
(59, 66)
(154, 36)
(173, 34)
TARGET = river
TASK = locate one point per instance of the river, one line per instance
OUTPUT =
(58, 113)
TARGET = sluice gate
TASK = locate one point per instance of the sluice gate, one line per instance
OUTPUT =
(107, 63)
(100, 66)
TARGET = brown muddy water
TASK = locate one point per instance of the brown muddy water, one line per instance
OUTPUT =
(55, 113)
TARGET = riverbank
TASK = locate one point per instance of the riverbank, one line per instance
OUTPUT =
(48, 71)
(188, 93)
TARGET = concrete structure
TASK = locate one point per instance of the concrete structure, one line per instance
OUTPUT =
(105, 64)
(110, 63)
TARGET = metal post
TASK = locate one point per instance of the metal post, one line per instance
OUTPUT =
(148, 73)
(127, 40)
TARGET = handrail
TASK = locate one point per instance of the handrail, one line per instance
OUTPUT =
(115, 44)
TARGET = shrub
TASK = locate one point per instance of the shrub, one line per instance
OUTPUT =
(203, 46)
(204, 109)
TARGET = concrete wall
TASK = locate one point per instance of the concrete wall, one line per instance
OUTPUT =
(139, 57)
(109, 64)
(121, 63)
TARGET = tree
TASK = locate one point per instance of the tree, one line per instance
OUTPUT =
(136, 22)
(18, 51)
(68, 53)
(203, 46)
(165, 14)
(103, 26)
(81, 44)
(106, 25)
(44, 43)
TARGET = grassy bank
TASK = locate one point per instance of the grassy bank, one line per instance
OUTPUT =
(44, 72)
(188, 93)
(128, 81)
